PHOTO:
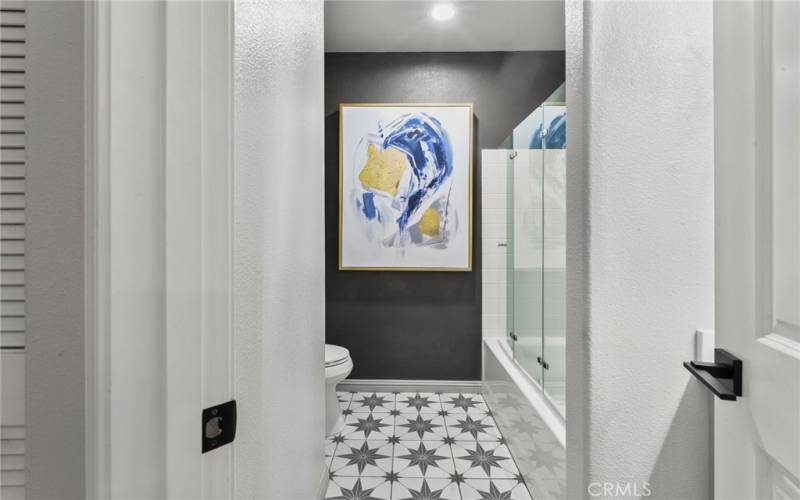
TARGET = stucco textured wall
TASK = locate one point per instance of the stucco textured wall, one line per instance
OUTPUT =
(279, 253)
(640, 239)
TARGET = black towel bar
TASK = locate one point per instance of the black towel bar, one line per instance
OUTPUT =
(723, 376)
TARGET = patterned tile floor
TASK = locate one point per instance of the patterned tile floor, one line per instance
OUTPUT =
(420, 446)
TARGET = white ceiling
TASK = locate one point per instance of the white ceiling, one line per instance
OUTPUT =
(479, 25)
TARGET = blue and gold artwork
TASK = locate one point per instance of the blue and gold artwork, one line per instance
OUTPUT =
(405, 176)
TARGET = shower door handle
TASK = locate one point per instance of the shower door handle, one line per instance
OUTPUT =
(513, 336)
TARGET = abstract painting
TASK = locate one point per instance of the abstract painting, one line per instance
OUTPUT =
(405, 180)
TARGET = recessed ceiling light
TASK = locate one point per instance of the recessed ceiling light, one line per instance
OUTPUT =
(443, 12)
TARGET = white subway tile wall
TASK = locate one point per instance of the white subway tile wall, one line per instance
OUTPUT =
(539, 211)
(495, 233)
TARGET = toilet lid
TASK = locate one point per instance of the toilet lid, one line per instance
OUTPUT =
(335, 355)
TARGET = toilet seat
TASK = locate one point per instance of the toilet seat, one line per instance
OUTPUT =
(335, 355)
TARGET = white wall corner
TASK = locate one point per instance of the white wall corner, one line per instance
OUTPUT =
(279, 250)
(640, 244)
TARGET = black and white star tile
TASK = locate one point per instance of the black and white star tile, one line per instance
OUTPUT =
(420, 446)
(464, 404)
(376, 402)
(420, 402)
(362, 458)
(420, 427)
(368, 426)
(493, 490)
(484, 460)
(472, 428)
(427, 459)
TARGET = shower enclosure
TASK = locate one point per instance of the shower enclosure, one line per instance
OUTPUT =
(523, 201)
(536, 253)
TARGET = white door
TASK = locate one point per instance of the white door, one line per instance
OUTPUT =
(757, 150)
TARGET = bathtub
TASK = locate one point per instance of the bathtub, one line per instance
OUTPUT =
(534, 429)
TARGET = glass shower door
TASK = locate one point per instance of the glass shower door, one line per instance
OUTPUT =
(525, 254)
(554, 253)
(536, 241)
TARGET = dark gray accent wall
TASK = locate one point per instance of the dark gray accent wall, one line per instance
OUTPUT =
(421, 325)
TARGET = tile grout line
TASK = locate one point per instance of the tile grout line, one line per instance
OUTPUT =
(394, 443)
(450, 445)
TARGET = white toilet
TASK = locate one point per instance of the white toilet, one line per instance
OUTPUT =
(338, 366)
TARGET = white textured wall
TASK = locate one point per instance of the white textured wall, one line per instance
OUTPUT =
(279, 295)
(640, 243)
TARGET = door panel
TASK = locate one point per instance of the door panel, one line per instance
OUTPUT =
(757, 90)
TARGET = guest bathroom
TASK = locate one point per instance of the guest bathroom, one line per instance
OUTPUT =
(445, 165)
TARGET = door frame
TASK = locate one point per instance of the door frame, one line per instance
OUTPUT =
(177, 271)
(96, 374)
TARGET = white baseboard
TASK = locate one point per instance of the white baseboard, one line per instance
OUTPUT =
(379, 385)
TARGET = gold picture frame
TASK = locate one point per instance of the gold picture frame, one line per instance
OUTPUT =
(470, 189)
